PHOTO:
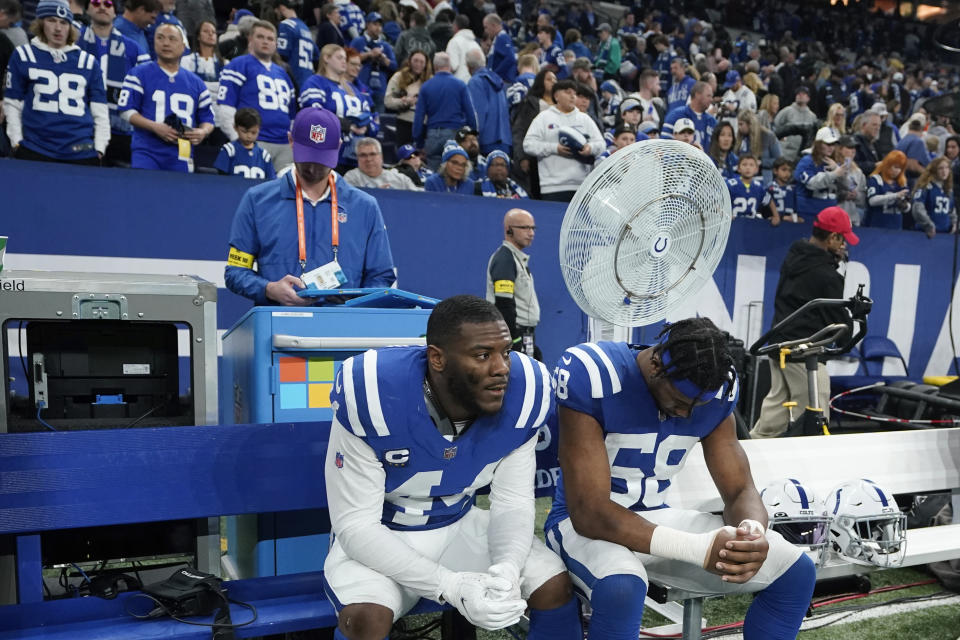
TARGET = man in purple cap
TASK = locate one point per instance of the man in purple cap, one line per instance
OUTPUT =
(809, 271)
(346, 240)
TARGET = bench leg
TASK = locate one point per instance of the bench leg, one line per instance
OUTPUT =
(29, 569)
(455, 627)
(692, 617)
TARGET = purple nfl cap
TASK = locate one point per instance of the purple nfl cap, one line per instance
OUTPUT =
(316, 137)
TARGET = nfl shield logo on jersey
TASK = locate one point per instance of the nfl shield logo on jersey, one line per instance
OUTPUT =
(339, 460)
(318, 133)
(449, 453)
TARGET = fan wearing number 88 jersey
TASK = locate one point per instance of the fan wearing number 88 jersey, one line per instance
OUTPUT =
(54, 99)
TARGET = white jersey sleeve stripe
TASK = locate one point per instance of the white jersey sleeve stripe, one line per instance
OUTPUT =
(21, 51)
(30, 55)
(596, 385)
(529, 391)
(372, 390)
(608, 363)
(228, 147)
(350, 397)
(545, 395)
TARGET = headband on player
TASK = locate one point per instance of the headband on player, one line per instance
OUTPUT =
(684, 386)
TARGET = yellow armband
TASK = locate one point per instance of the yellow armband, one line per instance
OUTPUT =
(503, 286)
(238, 258)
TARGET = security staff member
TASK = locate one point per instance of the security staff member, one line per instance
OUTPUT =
(308, 226)
(510, 283)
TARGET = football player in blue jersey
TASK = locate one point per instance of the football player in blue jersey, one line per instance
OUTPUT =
(749, 197)
(244, 157)
(253, 80)
(54, 102)
(117, 55)
(628, 417)
(416, 432)
(169, 107)
(294, 42)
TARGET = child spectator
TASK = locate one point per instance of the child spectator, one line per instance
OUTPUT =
(747, 194)
(244, 157)
(887, 193)
(721, 150)
(783, 192)
(934, 208)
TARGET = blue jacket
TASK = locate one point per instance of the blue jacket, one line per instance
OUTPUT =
(265, 229)
(437, 184)
(503, 57)
(375, 74)
(490, 100)
(443, 103)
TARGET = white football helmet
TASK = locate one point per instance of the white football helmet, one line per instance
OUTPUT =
(867, 526)
(797, 515)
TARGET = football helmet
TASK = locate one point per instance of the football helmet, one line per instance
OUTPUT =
(797, 515)
(867, 526)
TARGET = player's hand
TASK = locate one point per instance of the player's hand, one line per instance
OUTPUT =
(468, 593)
(741, 558)
(195, 136)
(284, 291)
(509, 572)
(565, 151)
(722, 536)
(165, 132)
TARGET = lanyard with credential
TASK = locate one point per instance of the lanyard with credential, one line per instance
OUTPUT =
(334, 222)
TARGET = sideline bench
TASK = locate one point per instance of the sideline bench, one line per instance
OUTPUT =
(65, 480)
(902, 462)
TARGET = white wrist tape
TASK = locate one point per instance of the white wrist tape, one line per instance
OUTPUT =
(681, 545)
(752, 526)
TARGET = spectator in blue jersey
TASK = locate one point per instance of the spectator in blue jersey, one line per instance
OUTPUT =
(264, 229)
(244, 157)
(503, 57)
(757, 140)
(403, 91)
(818, 176)
(169, 107)
(453, 175)
(934, 209)
(137, 16)
(328, 30)
(551, 56)
(294, 41)
(255, 81)
(527, 69)
(443, 107)
(915, 149)
(119, 54)
(721, 150)
(608, 58)
(166, 16)
(701, 99)
(661, 62)
(351, 20)
(490, 101)
(204, 58)
(379, 62)
(680, 84)
(54, 102)
(498, 183)
(749, 197)
(783, 191)
(888, 196)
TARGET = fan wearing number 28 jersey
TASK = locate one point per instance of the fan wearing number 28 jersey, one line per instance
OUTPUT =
(629, 418)
(416, 432)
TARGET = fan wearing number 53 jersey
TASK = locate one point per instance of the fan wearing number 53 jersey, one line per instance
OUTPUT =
(628, 419)
(54, 101)
(416, 432)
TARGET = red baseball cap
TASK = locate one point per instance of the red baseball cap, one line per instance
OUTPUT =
(835, 220)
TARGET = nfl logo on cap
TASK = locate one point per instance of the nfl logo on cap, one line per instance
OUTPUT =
(318, 133)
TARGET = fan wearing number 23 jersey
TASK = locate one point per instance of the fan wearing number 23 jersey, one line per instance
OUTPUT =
(264, 86)
(747, 199)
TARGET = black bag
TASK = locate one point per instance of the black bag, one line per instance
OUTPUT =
(189, 592)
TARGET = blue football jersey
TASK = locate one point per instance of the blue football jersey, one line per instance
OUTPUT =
(747, 199)
(155, 94)
(430, 481)
(603, 380)
(117, 55)
(352, 22)
(679, 93)
(784, 196)
(247, 82)
(938, 204)
(887, 215)
(57, 96)
(296, 46)
(236, 160)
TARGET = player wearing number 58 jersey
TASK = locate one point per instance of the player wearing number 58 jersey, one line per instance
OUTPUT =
(416, 432)
(54, 101)
(169, 107)
(629, 418)
(254, 81)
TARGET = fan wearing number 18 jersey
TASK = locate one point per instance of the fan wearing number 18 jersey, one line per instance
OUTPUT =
(416, 432)
(628, 419)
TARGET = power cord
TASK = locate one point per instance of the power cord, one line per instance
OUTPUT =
(40, 407)
(953, 281)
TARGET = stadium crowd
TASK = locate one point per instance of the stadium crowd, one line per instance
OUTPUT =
(801, 106)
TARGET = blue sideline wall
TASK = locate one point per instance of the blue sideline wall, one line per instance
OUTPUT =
(75, 218)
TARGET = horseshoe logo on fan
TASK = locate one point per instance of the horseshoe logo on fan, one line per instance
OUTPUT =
(661, 243)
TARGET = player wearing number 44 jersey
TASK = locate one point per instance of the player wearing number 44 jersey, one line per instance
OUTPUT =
(254, 81)
(628, 419)
(416, 432)
(54, 102)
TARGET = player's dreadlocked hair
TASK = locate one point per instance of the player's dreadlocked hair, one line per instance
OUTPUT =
(447, 317)
(698, 353)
